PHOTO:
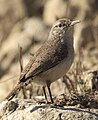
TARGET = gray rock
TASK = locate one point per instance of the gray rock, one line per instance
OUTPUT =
(35, 111)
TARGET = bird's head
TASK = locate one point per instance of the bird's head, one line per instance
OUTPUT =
(62, 25)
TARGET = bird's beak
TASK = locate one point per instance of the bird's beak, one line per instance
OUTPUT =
(75, 22)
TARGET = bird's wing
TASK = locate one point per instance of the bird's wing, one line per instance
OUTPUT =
(26, 70)
(47, 57)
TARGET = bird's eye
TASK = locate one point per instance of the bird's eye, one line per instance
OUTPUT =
(60, 25)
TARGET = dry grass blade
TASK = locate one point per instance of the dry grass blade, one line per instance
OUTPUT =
(21, 68)
(20, 57)
(2, 81)
(71, 82)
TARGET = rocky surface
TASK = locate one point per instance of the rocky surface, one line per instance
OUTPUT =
(19, 109)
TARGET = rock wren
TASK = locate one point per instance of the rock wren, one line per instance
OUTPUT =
(52, 60)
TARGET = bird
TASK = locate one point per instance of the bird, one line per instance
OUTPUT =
(51, 61)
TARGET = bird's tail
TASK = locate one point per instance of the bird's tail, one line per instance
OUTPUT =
(14, 92)
(18, 88)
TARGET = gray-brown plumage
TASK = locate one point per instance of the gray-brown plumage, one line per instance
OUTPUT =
(52, 60)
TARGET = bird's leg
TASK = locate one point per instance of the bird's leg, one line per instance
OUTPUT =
(45, 94)
(48, 86)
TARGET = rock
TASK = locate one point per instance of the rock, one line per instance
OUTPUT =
(30, 110)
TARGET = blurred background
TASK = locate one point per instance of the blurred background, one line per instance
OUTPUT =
(27, 23)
